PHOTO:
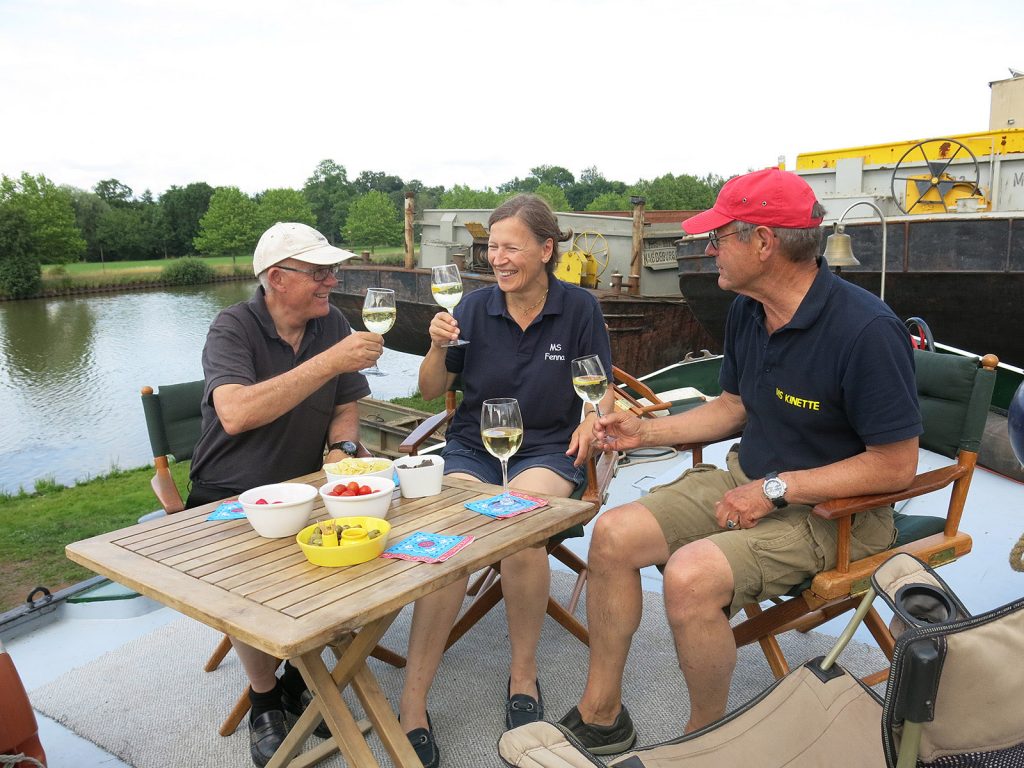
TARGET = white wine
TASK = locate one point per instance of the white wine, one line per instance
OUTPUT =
(448, 295)
(590, 387)
(379, 320)
(502, 442)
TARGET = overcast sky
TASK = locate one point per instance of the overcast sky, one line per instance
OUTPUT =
(254, 94)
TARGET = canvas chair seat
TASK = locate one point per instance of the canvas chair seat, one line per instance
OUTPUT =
(951, 699)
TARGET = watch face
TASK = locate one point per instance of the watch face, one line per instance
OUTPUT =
(774, 488)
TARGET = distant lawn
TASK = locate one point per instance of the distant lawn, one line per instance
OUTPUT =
(111, 270)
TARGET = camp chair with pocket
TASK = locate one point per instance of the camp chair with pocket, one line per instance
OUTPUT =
(952, 698)
(954, 393)
(486, 589)
(174, 422)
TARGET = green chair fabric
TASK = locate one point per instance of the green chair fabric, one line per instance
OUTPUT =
(954, 395)
(174, 419)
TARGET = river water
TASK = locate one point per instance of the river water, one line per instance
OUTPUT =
(71, 370)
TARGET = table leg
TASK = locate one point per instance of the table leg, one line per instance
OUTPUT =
(351, 653)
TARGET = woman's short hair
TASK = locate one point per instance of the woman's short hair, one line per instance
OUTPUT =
(538, 217)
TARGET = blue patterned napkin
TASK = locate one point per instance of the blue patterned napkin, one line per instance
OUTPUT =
(499, 508)
(427, 547)
(229, 510)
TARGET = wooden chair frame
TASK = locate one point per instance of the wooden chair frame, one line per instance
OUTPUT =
(486, 589)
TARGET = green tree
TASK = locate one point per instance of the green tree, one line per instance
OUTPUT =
(276, 205)
(20, 273)
(230, 226)
(461, 196)
(554, 195)
(330, 194)
(392, 186)
(183, 207)
(114, 192)
(555, 175)
(517, 185)
(129, 233)
(89, 208)
(676, 193)
(49, 215)
(610, 201)
(373, 220)
(589, 187)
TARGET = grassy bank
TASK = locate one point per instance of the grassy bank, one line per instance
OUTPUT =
(90, 277)
(35, 527)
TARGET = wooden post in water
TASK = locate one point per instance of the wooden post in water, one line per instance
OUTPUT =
(410, 209)
(638, 203)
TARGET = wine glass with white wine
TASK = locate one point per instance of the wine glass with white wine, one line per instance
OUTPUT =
(589, 380)
(501, 429)
(379, 314)
(446, 287)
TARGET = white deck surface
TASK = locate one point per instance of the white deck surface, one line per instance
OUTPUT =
(983, 580)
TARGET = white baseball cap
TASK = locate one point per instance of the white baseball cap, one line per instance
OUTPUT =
(291, 240)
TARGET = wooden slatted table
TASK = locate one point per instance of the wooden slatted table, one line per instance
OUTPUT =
(265, 592)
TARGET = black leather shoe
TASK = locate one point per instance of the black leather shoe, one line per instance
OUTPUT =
(522, 709)
(422, 740)
(601, 739)
(293, 708)
(266, 732)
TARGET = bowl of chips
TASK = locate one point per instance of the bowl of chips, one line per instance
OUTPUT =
(359, 468)
(344, 540)
(278, 510)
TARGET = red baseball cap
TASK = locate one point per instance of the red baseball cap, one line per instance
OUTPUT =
(770, 198)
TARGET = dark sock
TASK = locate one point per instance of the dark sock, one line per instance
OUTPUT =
(264, 702)
(291, 680)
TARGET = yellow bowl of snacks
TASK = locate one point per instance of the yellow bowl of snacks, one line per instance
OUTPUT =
(344, 540)
(359, 468)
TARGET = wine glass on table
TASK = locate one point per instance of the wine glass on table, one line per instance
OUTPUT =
(501, 429)
(446, 287)
(379, 314)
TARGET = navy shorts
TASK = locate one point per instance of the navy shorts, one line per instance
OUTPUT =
(459, 457)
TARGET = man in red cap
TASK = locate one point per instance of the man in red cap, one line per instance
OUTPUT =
(818, 375)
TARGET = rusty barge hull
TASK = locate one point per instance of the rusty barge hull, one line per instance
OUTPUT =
(646, 333)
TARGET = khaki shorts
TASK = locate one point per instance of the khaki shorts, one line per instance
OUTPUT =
(782, 551)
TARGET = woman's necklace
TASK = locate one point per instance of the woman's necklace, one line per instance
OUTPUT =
(535, 304)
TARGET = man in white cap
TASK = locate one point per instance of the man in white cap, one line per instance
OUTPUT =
(282, 381)
(819, 376)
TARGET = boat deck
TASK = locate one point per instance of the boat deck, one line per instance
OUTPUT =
(983, 580)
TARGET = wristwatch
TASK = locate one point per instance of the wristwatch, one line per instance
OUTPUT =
(774, 488)
(348, 447)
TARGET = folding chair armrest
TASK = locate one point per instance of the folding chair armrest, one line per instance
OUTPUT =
(163, 486)
(640, 409)
(600, 471)
(412, 443)
(926, 482)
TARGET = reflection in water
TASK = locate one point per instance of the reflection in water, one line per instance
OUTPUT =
(71, 370)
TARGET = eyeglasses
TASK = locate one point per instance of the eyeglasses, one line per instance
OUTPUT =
(319, 275)
(716, 238)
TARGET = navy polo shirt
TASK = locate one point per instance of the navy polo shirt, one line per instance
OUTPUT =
(243, 347)
(838, 377)
(532, 366)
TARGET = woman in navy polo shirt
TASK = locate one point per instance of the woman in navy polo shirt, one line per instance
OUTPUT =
(523, 334)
